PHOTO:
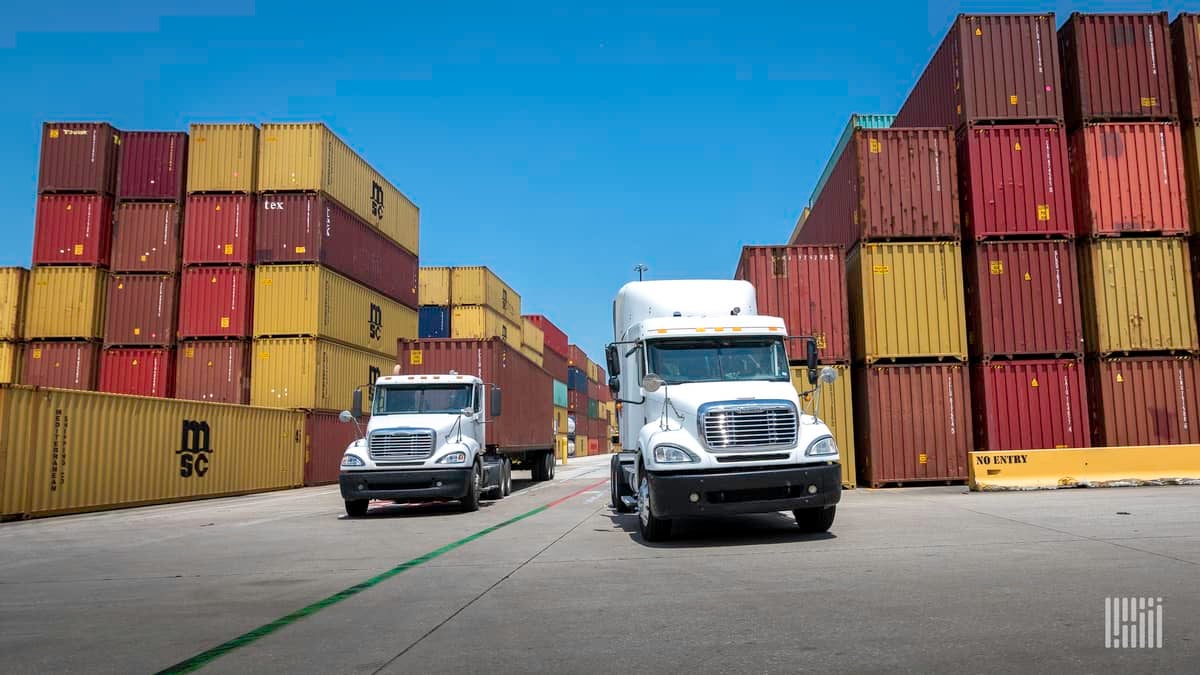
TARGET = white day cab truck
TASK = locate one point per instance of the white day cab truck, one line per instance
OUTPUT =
(710, 423)
(437, 431)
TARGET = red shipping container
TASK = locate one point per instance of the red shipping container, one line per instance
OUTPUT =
(1185, 40)
(218, 230)
(216, 302)
(1023, 298)
(989, 67)
(1015, 181)
(73, 229)
(577, 357)
(146, 237)
(593, 391)
(577, 402)
(1144, 400)
(527, 411)
(1129, 178)
(79, 157)
(215, 371)
(326, 439)
(311, 228)
(1030, 405)
(555, 364)
(138, 372)
(888, 184)
(1117, 66)
(806, 287)
(153, 166)
(912, 424)
(556, 339)
(62, 365)
(141, 311)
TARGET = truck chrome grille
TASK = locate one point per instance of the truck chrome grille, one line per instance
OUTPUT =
(749, 426)
(395, 445)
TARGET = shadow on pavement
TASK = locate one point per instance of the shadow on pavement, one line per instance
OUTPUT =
(386, 509)
(751, 529)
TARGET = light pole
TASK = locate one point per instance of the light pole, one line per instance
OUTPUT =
(640, 269)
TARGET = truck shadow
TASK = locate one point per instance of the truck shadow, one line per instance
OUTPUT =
(386, 509)
(743, 530)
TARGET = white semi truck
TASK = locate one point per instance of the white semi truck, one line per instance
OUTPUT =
(710, 423)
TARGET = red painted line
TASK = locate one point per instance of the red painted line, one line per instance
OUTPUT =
(576, 493)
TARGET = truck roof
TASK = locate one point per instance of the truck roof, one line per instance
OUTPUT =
(730, 325)
(639, 301)
(447, 378)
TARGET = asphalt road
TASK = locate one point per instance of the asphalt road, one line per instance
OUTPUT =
(911, 580)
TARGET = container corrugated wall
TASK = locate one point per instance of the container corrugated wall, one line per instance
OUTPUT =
(1129, 178)
(857, 121)
(141, 310)
(532, 336)
(434, 286)
(10, 362)
(1117, 66)
(310, 157)
(1023, 298)
(906, 301)
(555, 364)
(311, 301)
(433, 322)
(311, 374)
(1015, 181)
(1137, 296)
(63, 365)
(138, 372)
(79, 157)
(837, 412)
(326, 440)
(13, 283)
(215, 371)
(795, 237)
(222, 158)
(480, 323)
(1191, 166)
(1030, 405)
(219, 230)
(1185, 42)
(216, 302)
(560, 419)
(186, 450)
(146, 237)
(555, 339)
(66, 302)
(912, 423)
(1144, 401)
(533, 356)
(481, 286)
(73, 230)
(153, 166)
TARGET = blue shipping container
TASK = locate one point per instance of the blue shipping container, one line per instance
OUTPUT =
(857, 121)
(560, 394)
(433, 322)
(576, 379)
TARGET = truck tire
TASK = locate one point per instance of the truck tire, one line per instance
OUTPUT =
(817, 520)
(356, 508)
(507, 481)
(650, 526)
(551, 463)
(537, 465)
(470, 501)
(617, 487)
(543, 466)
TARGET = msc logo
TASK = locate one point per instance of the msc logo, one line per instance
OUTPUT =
(377, 200)
(194, 449)
(375, 322)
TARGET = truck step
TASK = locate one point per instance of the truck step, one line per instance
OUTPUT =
(629, 502)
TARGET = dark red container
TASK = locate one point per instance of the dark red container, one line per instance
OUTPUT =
(1144, 401)
(593, 391)
(1015, 181)
(1185, 42)
(73, 230)
(216, 302)
(577, 402)
(310, 228)
(555, 364)
(62, 365)
(218, 230)
(889, 184)
(141, 311)
(138, 372)
(326, 440)
(1117, 66)
(1129, 177)
(989, 67)
(153, 166)
(912, 424)
(525, 419)
(556, 339)
(79, 157)
(1030, 405)
(1023, 299)
(146, 237)
(577, 357)
(806, 287)
(215, 371)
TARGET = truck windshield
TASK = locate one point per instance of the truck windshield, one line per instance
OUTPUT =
(432, 398)
(683, 360)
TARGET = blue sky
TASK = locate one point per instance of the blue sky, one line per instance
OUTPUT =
(559, 144)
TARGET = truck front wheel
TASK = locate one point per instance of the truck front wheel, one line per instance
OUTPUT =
(815, 521)
(470, 501)
(650, 527)
(356, 508)
(507, 479)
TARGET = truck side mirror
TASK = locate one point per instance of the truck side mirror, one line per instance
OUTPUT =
(613, 359)
(614, 383)
(812, 361)
(496, 402)
(356, 404)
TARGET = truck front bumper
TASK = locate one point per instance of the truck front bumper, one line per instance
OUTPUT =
(683, 495)
(414, 485)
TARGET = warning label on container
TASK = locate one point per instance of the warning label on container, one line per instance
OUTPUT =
(1034, 383)
(189, 352)
(1012, 100)
(228, 249)
(922, 458)
(997, 267)
(416, 357)
(37, 353)
(1017, 146)
(1149, 101)
(1043, 212)
(875, 146)
(224, 322)
(78, 249)
(882, 269)
(54, 133)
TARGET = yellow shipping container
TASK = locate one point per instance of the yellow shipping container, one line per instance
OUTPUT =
(581, 446)
(593, 371)
(532, 336)
(906, 301)
(65, 302)
(434, 286)
(533, 356)
(1137, 295)
(308, 156)
(481, 286)
(560, 420)
(10, 362)
(837, 411)
(222, 157)
(12, 301)
(312, 374)
(70, 451)
(312, 301)
(481, 323)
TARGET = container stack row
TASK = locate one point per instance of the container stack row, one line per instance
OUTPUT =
(578, 403)
(555, 354)
(12, 322)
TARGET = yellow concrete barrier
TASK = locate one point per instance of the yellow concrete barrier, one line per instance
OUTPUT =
(1086, 467)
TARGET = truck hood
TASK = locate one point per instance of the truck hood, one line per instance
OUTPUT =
(440, 423)
(687, 398)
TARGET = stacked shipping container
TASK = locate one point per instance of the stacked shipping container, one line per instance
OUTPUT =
(12, 322)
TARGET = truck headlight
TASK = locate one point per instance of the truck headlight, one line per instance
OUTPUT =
(822, 447)
(454, 458)
(673, 454)
(351, 460)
